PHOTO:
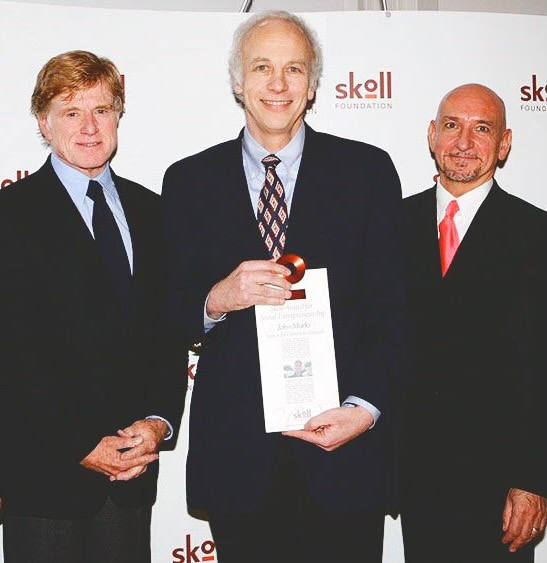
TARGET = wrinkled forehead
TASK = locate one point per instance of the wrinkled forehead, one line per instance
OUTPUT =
(473, 103)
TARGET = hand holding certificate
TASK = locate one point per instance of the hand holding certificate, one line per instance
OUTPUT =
(296, 348)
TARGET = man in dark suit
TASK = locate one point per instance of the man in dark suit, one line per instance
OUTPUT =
(78, 305)
(475, 468)
(317, 494)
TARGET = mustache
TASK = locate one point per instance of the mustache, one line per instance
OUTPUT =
(460, 154)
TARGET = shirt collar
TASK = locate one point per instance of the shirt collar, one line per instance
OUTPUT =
(468, 203)
(76, 182)
(290, 154)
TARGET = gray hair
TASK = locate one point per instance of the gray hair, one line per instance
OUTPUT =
(235, 62)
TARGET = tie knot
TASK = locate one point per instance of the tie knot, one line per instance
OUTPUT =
(452, 209)
(270, 161)
(95, 190)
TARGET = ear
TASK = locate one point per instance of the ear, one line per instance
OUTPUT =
(238, 90)
(505, 144)
(44, 127)
(431, 133)
(311, 93)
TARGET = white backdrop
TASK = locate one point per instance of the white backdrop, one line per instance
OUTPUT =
(179, 101)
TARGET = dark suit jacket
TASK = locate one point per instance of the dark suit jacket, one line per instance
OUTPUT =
(345, 217)
(72, 367)
(475, 408)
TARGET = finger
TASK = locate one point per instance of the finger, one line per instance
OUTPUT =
(506, 517)
(123, 442)
(273, 281)
(519, 534)
(310, 437)
(519, 542)
(128, 460)
(146, 449)
(129, 474)
(265, 266)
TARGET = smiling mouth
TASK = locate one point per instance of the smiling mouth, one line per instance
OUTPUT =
(463, 156)
(275, 103)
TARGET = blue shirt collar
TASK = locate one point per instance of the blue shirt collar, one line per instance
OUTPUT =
(76, 182)
(289, 155)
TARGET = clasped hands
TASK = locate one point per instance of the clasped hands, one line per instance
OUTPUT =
(127, 455)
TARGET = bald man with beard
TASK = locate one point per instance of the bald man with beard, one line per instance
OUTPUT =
(475, 470)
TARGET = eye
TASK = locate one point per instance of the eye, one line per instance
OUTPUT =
(261, 68)
(295, 69)
(483, 129)
(450, 125)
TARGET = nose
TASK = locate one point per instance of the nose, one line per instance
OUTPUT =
(278, 81)
(465, 139)
(89, 124)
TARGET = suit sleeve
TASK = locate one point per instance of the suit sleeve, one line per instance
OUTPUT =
(380, 358)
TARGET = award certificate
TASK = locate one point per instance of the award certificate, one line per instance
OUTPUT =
(297, 361)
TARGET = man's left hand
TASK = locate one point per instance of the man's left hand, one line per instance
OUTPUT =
(152, 431)
(524, 518)
(335, 427)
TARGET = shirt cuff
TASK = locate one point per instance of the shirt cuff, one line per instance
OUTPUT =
(208, 322)
(356, 401)
(169, 434)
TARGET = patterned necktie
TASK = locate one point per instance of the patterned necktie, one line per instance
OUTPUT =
(272, 213)
(109, 240)
(448, 236)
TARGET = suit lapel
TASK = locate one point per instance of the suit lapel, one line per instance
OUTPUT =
(313, 195)
(55, 214)
(63, 246)
(238, 209)
(484, 238)
(427, 236)
(132, 214)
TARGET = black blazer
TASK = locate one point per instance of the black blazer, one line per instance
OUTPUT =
(475, 407)
(345, 217)
(72, 367)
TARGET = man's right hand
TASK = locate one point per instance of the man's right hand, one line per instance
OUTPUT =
(249, 284)
(106, 457)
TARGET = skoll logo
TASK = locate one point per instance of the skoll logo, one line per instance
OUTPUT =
(533, 92)
(374, 93)
(369, 89)
(194, 553)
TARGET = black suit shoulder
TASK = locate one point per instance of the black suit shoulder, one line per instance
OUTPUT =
(204, 158)
(138, 189)
(343, 147)
(521, 208)
(417, 200)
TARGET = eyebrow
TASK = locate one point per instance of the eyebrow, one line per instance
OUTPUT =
(266, 59)
(78, 108)
(458, 118)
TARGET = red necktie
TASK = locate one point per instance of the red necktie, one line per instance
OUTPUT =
(272, 213)
(448, 236)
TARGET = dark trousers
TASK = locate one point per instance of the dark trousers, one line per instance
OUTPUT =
(470, 537)
(290, 527)
(113, 535)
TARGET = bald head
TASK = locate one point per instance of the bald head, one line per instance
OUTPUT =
(475, 92)
(469, 137)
